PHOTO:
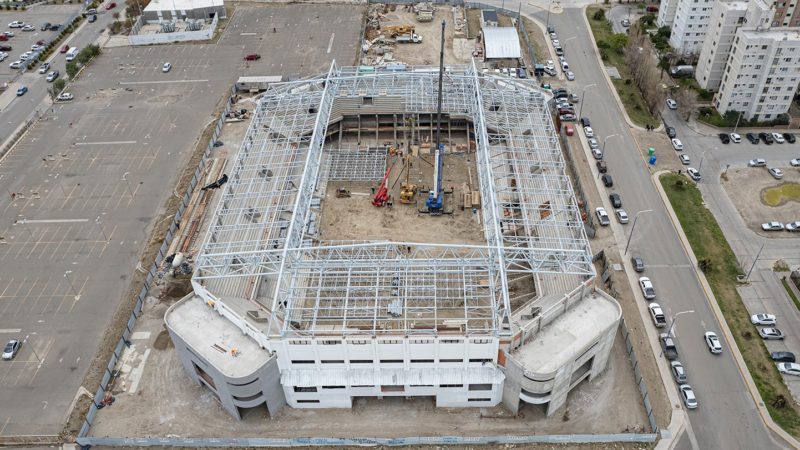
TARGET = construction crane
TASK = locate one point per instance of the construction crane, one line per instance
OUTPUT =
(435, 200)
(382, 194)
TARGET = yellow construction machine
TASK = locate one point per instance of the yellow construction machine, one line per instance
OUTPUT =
(398, 30)
(407, 190)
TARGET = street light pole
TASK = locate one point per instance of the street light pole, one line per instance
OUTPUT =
(675, 318)
(583, 94)
(97, 221)
(606, 140)
(633, 228)
(24, 223)
(564, 44)
(128, 183)
(737, 121)
(549, 7)
(747, 277)
(25, 341)
(702, 158)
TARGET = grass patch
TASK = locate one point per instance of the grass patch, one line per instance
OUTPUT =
(628, 93)
(473, 23)
(711, 116)
(791, 293)
(779, 195)
(536, 38)
(708, 243)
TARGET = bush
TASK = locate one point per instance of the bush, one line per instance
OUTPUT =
(705, 95)
(59, 85)
(599, 15)
(647, 20)
(72, 69)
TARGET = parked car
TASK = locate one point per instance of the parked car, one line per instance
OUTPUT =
(648, 290)
(569, 130)
(763, 319)
(567, 117)
(672, 104)
(767, 138)
(671, 132)
(93, 18)
(52, 76)
(607, 180)
(588, 131)
(782, 356)
(5, 48)
(685, 160)
(668, 345)
(772, 226)
(585, 122)
(166, 67)
(735, 138)
(45, 26)
(622, 216)
(593, 143)
(638, 263)
(21, 91)
(601, 166)
(16, 24)
(657, 315)
(789, 137)
(677, 144)
(8, 34)
(771, 334)
(45, 67)
(111, 6)
(252, 57)
(789, 368)
(65, 97)
(752, 138)
(602, 216)
(775, 172)
(597, 153)
(625, 23)
(11, 349)
(55, 27)
(90, 12)
(15, 65)
(793, 226)
(28, 28)
(693, 173)
(678, 372)
(712, 341)
(64, 49)
(570, 75)
(687, 394)
(794, 162)
(616, 200)
(559, 51)
(778, 138)
(725, 138)
(758, 162)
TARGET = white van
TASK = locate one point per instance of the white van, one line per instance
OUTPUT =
(72, 53)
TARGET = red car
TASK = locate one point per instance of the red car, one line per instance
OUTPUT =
(64, 49)
(111, 5)
(40, 42)
(569, 129)
(252, 57)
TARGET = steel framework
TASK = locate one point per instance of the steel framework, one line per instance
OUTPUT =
(260, 234)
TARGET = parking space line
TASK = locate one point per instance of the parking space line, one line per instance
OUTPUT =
(128, 83)
(36, 244)
(78, 297)
(41, 293)
(61, 241)
(53, 295)
(11, 300)
(24, 297)
(106, 143)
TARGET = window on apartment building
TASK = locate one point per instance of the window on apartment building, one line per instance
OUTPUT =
(763, 47)
(694, 9)
(786, 97)
(769, 80)
(305, 388)
(307, 401)
(751, 86)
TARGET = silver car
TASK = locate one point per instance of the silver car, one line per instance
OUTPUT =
(775, 172)
(687, 394)
(678, 372)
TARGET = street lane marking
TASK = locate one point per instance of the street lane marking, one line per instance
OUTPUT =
(105, 143)
(124, 83)
(247, 34)
(10, 330)
(27, 221)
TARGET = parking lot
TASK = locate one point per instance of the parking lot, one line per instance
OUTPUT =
(84, 185)
(22, 40)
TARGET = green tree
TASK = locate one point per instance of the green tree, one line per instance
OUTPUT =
(618, 42)
(72, 69)
(59, 85)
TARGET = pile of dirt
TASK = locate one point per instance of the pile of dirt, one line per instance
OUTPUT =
(163, 341)
(176, 288)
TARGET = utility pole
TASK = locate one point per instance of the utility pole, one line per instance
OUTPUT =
(747, 277)
(633, 228)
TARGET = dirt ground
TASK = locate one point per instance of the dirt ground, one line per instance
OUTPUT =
(744, 186)
(666, 156)
(355, 218)
(156, 404)
(456, 50)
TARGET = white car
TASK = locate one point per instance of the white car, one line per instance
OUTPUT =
(693, 173)
(789, 368)
(712, 341)
(622, 216)
(795, 162)
(793, 226)
(28, 28)
(648, 290)
(52, 76)
(15, 64)
(657, 315)
(775, 172)
(36, 47)
(763, 319)
(602, 216)
(556, 43)
(570, 75)
(678, 372)
(677, 144)
(778, 138)
(687, 394)
(65, 97)
(593, 144)
(8, 33)
(758, 162)
(3, 55)
(166, 67)
(685, 160)
(672, 104)
(589, 132)
(550, 64)
(772, 226)
(736, 138)
(16, 24)
(45, 67)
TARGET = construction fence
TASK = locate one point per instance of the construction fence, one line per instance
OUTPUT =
(151, 274)
(638, 376)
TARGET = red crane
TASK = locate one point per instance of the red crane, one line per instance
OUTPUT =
(382, 195)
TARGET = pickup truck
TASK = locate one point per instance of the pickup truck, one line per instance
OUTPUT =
(668, 345)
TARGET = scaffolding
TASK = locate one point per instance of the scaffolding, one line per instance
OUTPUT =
(263, 234)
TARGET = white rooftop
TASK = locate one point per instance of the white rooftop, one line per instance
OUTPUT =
(181, 5)
(501, 42)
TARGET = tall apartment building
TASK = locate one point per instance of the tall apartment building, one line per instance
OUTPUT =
(689, 27)
(666, 13)
(787, 14)
(726, 18)
(762, 73)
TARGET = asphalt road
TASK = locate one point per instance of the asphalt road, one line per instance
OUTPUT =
(765, 292)
(16, 110)
(724, 402)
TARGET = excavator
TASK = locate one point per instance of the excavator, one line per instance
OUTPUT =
(407, 190)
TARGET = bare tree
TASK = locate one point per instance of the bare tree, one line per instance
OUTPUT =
(643, 66)
(686, 99)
